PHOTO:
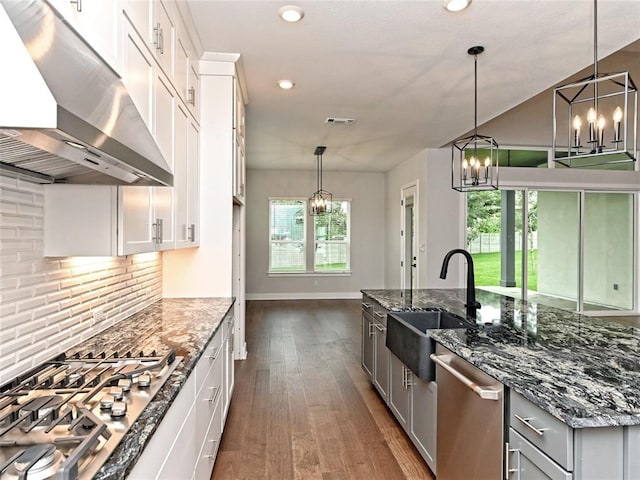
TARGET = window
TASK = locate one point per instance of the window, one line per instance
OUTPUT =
(290, 226)
(287, 226)
(332, 239)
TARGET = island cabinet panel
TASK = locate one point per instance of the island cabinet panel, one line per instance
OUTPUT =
(399, 391)
(423, 418)
(543, 447)
(368, 337)
(381, 352)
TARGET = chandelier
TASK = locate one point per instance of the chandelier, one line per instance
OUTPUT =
(474, 159)
(321, 200)
(595, 120)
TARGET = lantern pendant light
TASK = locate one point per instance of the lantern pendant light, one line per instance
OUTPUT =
(474, 159)
(321, 200)
(595, 120)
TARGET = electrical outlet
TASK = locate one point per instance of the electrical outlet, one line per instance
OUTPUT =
(98, 315)
(615, 286)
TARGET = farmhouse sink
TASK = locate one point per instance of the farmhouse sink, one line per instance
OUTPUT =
(408, 337)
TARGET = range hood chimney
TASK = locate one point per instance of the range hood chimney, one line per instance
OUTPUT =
(65, 115)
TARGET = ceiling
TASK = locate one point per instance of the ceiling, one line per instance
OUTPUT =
(399, 68)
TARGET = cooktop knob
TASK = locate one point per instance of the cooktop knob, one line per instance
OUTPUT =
(106, 402)
(125, 384)
(144, 380)
(116, 392)
(119, 409)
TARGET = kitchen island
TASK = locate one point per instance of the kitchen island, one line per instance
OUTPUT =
(582, 371)
(184, 325)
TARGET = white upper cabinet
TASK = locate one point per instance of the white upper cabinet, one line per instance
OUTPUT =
(138, 74)
(97, 21)
(239, 167)
(162, 37)
(181, 66)
(139, 14)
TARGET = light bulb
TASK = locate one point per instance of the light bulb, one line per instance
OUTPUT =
(472, 161)
(465, 164)
(591, 115)
(487, 162)
(617, 114)
(601, 122)
(577, 122)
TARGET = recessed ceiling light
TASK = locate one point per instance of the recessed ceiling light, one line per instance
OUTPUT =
(456, 5)
(285, 84)
(291, 13)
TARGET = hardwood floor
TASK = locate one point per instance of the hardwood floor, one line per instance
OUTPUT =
(303, 408)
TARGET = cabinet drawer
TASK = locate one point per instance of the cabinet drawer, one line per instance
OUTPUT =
(527, 462)
(211, 354)
(552, 436)
(208, 399)
(367, 305)
(379, 314)
(209, 451)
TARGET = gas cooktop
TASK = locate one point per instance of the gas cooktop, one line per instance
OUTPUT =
(63, 420)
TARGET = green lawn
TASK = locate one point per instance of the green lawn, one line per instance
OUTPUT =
(487, 269)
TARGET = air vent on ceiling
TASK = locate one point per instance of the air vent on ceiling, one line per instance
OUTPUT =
(341, 121)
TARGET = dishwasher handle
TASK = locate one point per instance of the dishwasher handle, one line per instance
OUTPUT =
(485, 392)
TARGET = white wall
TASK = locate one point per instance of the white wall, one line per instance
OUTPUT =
(47, 305)
(440, 218)
(367, 194)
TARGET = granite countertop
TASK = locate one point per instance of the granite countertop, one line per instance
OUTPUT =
(184, 325)
(583, 370)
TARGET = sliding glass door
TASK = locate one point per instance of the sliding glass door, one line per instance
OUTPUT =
(570, 249)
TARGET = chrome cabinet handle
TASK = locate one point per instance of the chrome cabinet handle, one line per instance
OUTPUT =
(160, 229)
(527, 420)
(78, 4)
(381, 328)
(191, 96)
(214, 355)
(507, 467)
(192, 232)
(366, 305)
(157, 31)
(372, 331)
(215, 394)
(211, 456)
(484, 392)
(378, 314)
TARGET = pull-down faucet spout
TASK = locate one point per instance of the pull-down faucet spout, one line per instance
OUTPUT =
(472, 304)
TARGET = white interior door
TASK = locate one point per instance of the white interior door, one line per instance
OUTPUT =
(409, 236)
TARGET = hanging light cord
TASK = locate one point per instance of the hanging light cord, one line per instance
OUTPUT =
(475, 94)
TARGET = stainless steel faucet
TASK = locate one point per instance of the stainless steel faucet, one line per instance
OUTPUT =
(472, 304)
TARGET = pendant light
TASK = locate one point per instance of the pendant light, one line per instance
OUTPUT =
(595, 120)
(321, 200)
(474, 159)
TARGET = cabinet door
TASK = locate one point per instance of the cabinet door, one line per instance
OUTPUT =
(163, 197)
(138, 74)
(181, 67)
(162, 39)
(180, 177)
(139, 14)
(229, 376)
(136, 220)
(368, 338)
(193, 90)
(193, 182)
(381, 360)
(526, 462)
(423, 418)
(399, 390)
(97, 22)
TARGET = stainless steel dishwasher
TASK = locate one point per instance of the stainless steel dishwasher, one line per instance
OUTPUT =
(470, 426)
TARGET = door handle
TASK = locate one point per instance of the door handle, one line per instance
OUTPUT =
(485, 392)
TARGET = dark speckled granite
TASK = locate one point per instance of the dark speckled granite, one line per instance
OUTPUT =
(583, 370)
(184, 325)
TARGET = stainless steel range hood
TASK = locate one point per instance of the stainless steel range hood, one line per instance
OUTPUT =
(65, 115)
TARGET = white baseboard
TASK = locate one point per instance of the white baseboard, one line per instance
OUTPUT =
(304, 296)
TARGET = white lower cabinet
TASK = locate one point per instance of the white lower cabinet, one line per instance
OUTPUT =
(187, 440)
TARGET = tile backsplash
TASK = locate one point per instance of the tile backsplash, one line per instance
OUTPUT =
(47, 305)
